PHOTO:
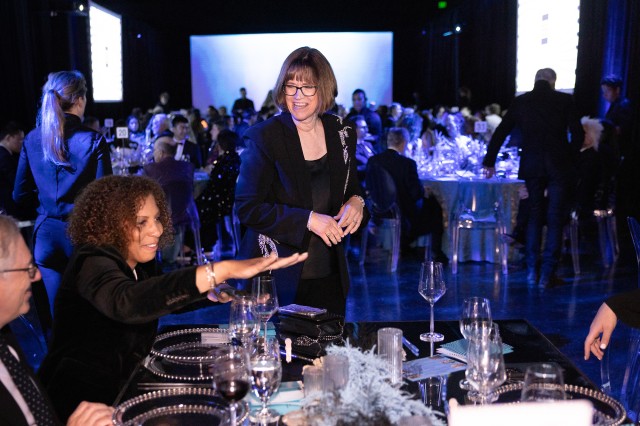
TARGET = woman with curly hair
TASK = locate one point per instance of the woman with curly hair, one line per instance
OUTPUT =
(107, 307)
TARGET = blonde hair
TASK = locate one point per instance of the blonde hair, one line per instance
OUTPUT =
(310, 65)
(61, 91)
(592, 132)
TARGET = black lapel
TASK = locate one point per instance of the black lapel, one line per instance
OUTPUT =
(335, 154)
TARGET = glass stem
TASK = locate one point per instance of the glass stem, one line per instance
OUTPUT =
(265, 333)
(431, 323)
(232, 412)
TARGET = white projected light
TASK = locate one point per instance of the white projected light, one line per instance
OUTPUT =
(106, 54)
(547, 38)
(221, 64)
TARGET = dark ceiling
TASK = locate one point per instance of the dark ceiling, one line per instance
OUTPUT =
(258, 16)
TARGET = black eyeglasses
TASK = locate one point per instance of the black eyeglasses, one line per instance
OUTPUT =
(32, 269)
(291, 90)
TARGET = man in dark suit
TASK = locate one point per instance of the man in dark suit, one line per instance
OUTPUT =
(22, 399)
(179, 136)
(11, 137)
(421, 214)
(372, 118)
(547, 164)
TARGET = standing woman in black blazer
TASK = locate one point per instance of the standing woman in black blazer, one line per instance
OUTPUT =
(298, 187)
(58, 159)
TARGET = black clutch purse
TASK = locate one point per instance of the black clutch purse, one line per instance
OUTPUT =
(311, 335)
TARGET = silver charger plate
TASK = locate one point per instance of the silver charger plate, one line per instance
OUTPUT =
(191, 371)
(188, 346)
(181, 406)
(607, 411)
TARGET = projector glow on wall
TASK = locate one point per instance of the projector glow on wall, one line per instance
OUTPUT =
(106, 54)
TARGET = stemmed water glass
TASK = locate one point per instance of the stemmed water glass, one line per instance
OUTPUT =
(266, 374)
(475, 321)
(230, 372)
(263, 290)
(432, 287)
(243, 322)
(485, 366)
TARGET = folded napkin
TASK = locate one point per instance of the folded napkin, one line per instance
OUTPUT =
(437, 365)
(458, 349)
(286, 399)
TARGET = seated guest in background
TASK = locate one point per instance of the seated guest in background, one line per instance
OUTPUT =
(359, 99)
(248, 118)
(158, 125)
(176, 179)
(136, 135)
(596, 166)
(24, 402)
(421, 213)
(185, 149)
(216, 200)
(493, 119)
(364, 149)
(216, 127)
(107, 309)
(11, 137)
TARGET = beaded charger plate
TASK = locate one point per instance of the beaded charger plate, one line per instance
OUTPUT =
(606, 410)
(181, 406)
(186, 355)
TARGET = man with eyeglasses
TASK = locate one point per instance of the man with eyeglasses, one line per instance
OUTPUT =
(360, 107)
(22, 399)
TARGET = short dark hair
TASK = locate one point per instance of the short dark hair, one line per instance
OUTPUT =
(397, 136)
(611, 80)
(311, 65)
(228, 140)
(178, 118)
(10, 129)
(358, 91)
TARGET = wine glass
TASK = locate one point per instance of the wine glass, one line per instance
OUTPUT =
(266, 374)
(431, 287)
(485, 366)
(230, 371)
(475, 321)
(243, 321)
(264, 291)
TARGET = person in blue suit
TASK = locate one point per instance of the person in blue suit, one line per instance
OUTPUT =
(58, 159)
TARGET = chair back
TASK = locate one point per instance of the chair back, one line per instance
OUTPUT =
(634, 227)
(477, 201)
(382, 189)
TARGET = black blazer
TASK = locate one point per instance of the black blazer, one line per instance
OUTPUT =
(543, 115)
(273, 194)
(10, 413)
(104, 324)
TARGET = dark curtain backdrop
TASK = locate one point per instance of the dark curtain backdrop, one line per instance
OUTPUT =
(157, 58)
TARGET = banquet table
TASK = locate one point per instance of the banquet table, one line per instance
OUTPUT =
(475, 244)
(529, 346)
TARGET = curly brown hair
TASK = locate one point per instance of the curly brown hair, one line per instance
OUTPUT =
(105, 212)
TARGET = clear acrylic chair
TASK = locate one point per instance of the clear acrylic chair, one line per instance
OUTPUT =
(385, 213)
(478, 207)
(630, 389)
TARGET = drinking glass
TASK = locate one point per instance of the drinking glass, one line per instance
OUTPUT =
(485, 366)
(390, 349)
(243, 320)
(431, 287)
(336, 372)
(263, 290)
(266, 374)
(230, 372)
(475, 321)
(543, 382)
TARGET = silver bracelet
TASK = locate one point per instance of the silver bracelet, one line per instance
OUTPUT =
(211, 276)
(359, 198)
(309, 220)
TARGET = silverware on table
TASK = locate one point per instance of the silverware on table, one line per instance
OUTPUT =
(169, 385)
(413, 348)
